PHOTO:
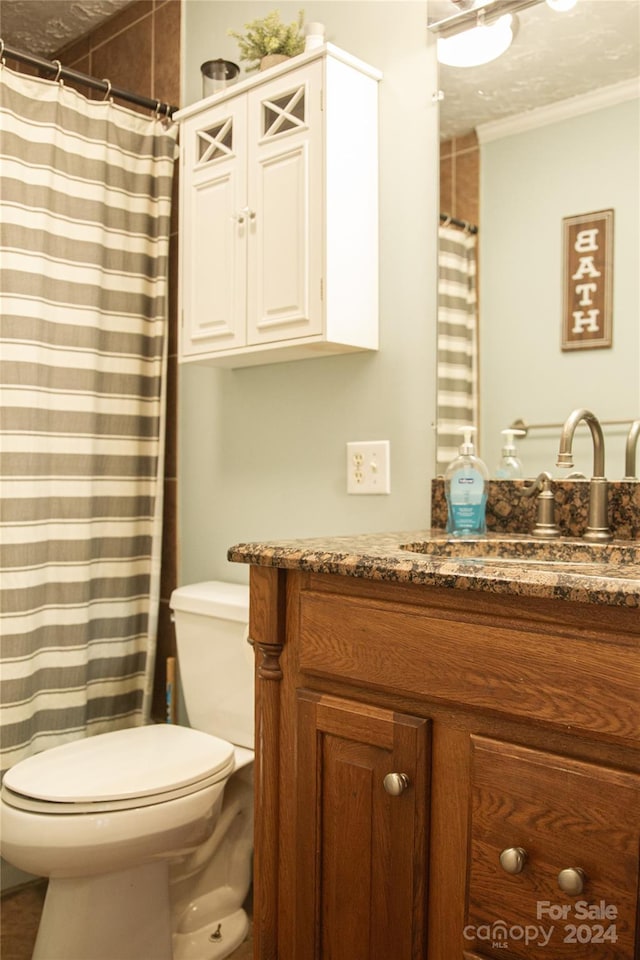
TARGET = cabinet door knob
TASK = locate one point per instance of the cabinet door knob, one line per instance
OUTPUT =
(396, 783)
(513, 859)
(572, 880)
(249, 212)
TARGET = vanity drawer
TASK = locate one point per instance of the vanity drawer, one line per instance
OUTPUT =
(517, 667)
(569, 833)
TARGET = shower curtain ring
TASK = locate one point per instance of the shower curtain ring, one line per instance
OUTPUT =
(2, 51)
(107, 94)
(447, 221)
(58, 72)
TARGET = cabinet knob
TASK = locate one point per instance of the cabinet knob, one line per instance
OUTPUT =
(513, 859)
(572, 880)
(249, 213)
(396, 783)
(238, 218)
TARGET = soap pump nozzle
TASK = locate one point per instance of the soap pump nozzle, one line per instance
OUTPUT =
(509, 449)
(467, 447)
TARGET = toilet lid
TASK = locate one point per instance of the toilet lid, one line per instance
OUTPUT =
(142, 763)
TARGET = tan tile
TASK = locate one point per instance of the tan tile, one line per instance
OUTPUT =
(446, 148)
(175, 200)
(166, 64)
(467, 185)
(19, 919)
(125, 59)
(122, 20)
(76, 55)
(173, 294)
(169, 540)
(166, 647)
(446, 185)
(467, 142)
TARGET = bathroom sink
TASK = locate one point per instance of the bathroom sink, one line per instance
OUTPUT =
(526, 550)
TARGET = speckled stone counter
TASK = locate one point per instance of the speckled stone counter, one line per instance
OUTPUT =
(608, 574)
(508, 511)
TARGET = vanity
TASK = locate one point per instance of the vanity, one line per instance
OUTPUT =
(447, 748)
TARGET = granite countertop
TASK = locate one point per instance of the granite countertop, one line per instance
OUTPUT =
(580, 573)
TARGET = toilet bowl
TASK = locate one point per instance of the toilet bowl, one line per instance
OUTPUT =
(146, 833)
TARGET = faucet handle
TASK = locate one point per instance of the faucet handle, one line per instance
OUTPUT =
(541, 483)
(545, 525)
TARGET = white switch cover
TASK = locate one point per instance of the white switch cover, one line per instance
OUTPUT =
(368, 467)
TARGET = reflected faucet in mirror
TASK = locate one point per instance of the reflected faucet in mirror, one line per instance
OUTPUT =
(566, 82)
(597, 519)
(631, 450)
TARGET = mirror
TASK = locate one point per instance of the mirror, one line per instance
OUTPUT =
(549, 131)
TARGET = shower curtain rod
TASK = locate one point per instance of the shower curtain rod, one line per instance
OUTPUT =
(66, 73)
(469, 227)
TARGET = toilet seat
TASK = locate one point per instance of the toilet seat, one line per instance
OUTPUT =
(121, 770)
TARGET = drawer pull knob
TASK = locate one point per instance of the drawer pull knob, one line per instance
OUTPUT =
(572, 881)
(513, 859)
(396, 783)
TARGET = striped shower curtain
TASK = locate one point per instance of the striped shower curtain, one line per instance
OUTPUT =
(85, 206)
(457, 376)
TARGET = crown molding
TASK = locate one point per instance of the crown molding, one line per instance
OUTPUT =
(562, 110)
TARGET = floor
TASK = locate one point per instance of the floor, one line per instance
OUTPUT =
(20, 917)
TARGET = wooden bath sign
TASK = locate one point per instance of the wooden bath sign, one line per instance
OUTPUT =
(588, 281)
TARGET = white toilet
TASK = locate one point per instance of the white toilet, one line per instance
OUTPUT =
(146, 834)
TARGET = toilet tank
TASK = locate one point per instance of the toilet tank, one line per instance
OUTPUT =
(215, 661)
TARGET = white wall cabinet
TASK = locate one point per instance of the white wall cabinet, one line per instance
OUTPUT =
(279, 215)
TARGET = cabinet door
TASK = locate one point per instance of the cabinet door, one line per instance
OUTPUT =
(551, 814)
(361, 852)
(214, 229)
(285, 198)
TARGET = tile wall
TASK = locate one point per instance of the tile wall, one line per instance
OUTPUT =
(460, 178)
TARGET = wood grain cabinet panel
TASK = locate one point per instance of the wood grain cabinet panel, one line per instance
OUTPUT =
(561, 814)
(362, 852)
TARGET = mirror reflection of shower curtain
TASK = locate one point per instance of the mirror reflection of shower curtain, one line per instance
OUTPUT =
(85, 207)
(457, 348)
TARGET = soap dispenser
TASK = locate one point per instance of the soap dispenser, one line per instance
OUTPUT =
(510, 467)
(465, 482)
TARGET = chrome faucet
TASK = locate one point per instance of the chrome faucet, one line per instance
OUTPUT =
(630, 452)
(597, 521)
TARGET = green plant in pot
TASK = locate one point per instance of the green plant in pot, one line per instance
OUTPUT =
(269, 37)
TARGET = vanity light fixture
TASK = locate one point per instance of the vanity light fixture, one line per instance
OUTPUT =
(481, 30)
(561, 5)
(480, 44)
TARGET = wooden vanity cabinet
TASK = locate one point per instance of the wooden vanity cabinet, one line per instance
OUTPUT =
(361, 848)
(510, 726)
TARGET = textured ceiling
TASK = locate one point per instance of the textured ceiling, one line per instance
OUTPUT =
(43, 26)
(554, 55)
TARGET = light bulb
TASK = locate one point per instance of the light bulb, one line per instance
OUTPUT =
(561, 5)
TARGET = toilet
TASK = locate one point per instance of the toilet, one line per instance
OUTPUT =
(146, 834)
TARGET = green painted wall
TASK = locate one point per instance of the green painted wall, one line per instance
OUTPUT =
(529, 182)
(262, 450)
